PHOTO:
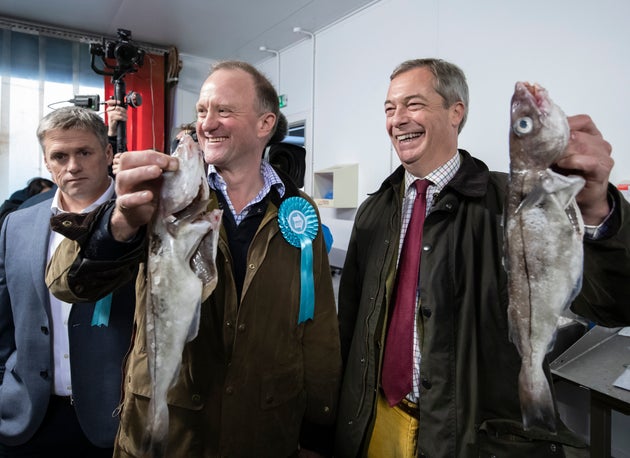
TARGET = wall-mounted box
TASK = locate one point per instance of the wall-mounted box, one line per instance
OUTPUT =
(337, 187)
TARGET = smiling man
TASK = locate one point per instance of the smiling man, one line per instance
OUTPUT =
(60, 363)
(260, 379)
(428, 366)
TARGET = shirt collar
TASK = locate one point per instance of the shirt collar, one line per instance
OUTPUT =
(440, 176)
(55, 207)
(270, 178)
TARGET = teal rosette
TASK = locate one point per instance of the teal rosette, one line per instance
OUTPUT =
(299, 225)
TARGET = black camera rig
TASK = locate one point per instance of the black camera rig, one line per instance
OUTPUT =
(129, 58)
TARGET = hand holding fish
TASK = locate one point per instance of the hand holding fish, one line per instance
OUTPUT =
(588, 155)
(137, 190)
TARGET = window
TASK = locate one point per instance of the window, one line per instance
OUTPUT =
(37, 74)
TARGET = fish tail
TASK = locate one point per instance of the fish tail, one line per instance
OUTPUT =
(156, 435)
(537, 405)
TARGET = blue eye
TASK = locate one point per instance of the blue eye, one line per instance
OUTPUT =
(523, 125)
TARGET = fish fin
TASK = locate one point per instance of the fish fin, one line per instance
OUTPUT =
(194, 324)
(563, 187)
(576, 290)
(552, 341)
(537, 407)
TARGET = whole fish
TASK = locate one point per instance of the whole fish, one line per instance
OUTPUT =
(543, 234)
(180, 273)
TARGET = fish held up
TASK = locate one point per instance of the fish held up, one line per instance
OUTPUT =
(543, 232)
(181, 273)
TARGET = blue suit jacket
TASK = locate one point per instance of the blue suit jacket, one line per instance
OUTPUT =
(26, 360)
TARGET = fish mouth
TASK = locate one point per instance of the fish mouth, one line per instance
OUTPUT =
(408, 137)
(536, 93)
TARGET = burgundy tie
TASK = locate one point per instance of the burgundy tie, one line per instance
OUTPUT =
(397, 371)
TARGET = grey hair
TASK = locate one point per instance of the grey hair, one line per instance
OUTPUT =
(73, 118)
(450, 81)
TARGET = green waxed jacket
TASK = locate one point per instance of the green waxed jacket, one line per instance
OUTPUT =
(469, 403)
(253, 382)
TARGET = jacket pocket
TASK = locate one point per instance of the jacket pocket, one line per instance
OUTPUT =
(513, 446)
(498, 438)
(276, 389)
(183, 394)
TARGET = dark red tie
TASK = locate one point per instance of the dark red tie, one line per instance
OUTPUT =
(397, 371)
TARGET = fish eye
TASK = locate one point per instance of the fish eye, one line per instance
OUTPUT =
(523, 125)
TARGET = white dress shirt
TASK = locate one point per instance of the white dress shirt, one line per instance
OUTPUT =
(60, 311)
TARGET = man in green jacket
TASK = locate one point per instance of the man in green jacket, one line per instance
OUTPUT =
(463, 399)
(257, 381)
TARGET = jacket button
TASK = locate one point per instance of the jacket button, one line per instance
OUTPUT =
(553, 448)
(44, 330)
(426, 311)
(251, 267)
(44, 374)
(80, 289)
(228, 324)
(427, 248)
(241, 328)
(195, 398)
(426, 383)
(229, 390)
(449, 206)
(66, 223)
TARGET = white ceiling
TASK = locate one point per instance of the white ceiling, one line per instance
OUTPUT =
(213, 29)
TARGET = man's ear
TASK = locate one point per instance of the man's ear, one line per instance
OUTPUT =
(266, 123)
(457, 111)
(109, 152)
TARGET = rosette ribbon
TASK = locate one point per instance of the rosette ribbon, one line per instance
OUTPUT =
(299, 225)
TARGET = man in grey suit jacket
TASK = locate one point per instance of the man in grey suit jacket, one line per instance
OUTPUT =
(60, 364)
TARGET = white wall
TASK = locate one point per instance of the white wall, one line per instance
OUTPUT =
(578, 50)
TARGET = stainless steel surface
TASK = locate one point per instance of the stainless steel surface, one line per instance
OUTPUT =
(595, 361)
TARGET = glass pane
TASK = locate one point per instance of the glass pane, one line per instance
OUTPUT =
(58, 60)
(24, 55)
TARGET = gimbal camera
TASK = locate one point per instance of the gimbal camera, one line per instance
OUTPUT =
(129, 58)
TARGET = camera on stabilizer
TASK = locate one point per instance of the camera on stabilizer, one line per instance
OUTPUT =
(128, 56)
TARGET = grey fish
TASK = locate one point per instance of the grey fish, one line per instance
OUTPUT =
(181, 272)
(543, 235)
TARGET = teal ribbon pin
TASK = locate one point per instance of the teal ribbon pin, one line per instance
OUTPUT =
(102, 308)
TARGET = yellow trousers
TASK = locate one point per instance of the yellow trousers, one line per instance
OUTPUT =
(395, 433)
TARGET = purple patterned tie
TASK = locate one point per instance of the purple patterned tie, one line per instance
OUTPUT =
(397, 371)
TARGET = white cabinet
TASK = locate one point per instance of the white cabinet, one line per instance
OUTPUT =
(337, 187)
